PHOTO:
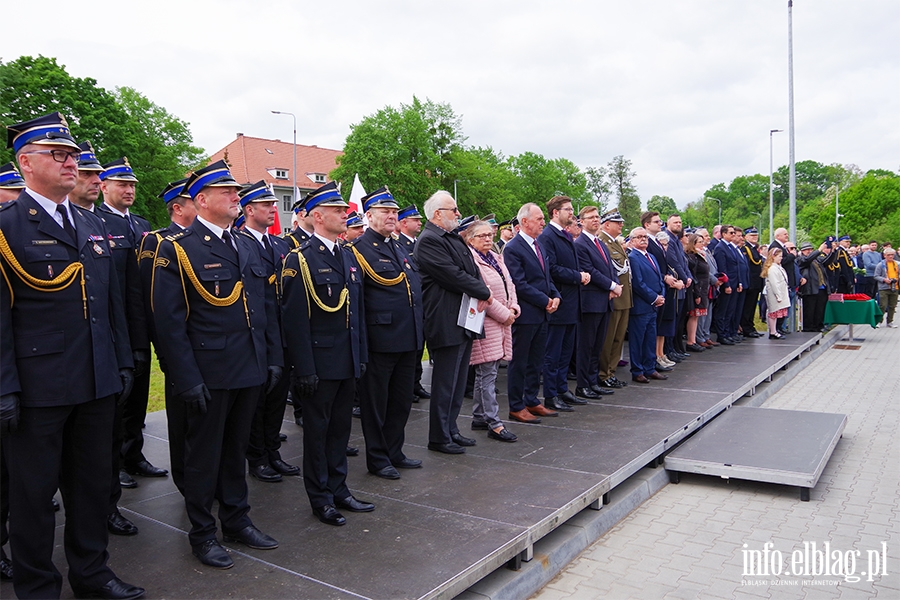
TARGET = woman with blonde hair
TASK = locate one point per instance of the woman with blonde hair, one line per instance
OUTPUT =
(497, 342)
(777, 299)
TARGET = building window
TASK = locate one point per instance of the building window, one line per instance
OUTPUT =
(287, 202)
(317, 177)
(281, 174)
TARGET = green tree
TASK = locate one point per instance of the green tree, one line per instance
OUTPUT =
(409, 149)
(870, 209)
(598, 186)
(664, 205)
(621, 179)
(485, 183)
(159, 146)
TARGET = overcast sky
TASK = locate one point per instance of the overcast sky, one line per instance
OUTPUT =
(687, 90)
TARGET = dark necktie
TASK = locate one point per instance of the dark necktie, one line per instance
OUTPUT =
(67, 225)
(652, 262)
(337, 255)
(229, 241)
(600, 249)
(540, 257)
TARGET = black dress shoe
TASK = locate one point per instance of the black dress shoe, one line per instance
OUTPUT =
(422, 392)
(659, 367)
(6, 570)
(298, 421)
(571, 399)
(555, 403)
(119, 525)
(265, 473)
(451, 448)
(504, 435)
(409, 463)
(695, 348)
(115, 589)
(212, 554)
(618, 383)
(282, 437)
(145, 469)
(329, 515)
(283, 468)
(479, 425)
(55, 504)
(587, 393)
(674, 357)
(599, 390)
(353, 505)
(388, 472)
(357, 412)
(462, 440)
(251, 537)
(724, 341)
(607, 383)
(351, 451)
(127, 481)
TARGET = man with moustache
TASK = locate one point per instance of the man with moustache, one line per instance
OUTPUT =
(611, 224)
(66, 357)
(395, 329)
(568, 278)
(210, 312)
(325, 335)
(448, 271)
(118, 183)
(87, 189)
(263, 452)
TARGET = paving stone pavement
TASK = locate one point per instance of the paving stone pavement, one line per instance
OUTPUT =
(688, 541)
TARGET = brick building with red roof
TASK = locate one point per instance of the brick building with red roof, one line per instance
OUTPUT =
(251, 159)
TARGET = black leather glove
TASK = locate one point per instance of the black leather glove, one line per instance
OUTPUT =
(127, 376)
(306, 384)
(141, 362)
(362, 369)
(273, 378)
(195, 399)
(9, 413)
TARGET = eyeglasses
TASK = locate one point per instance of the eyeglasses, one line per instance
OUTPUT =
(638, 237)
(484, 236)
(59, 156)
(453, 209)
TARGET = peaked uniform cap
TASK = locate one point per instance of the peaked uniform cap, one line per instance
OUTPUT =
(118, 170)
(380, 197)
(214, 175)
(258, 192)
(10, 179)
(354, 220)
(174, 190)
(327, 195)
(51, 129)
(410, 212)
(88, 160)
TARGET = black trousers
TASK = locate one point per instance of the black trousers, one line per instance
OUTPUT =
(133, 415)
(591, 337)
(327, 416)
(448, 384)
(523, 375)
(814, 310)
(115, 461)
(724, 313)
(265, 442)
(215, 445)
(176, 422)
(64, 447)
(384, 403)
(751, 301)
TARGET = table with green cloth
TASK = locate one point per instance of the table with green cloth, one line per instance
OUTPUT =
(852, 312)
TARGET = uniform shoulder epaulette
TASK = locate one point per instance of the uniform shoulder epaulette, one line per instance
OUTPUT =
(395, 236)
(177, 236)
(8, 205)
(352, 243)
(156, 231)
(303, 245)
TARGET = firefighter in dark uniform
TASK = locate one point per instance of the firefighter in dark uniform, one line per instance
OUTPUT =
(322, 308)
(303, 231)
(182, 212)
(211, 315)
(840, 274)
(754, 284)
(394, 328)
(409, 223)
(117, 182)
(11, 185)
(263, 456)
(66, 357)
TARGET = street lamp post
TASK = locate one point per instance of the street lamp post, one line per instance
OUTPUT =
(792, 179)
(771, 190)
(837, 215)
(294, 172)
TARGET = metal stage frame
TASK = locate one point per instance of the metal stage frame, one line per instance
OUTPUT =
(440, 529)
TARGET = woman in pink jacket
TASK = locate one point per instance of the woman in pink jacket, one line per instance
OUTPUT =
(497, 342)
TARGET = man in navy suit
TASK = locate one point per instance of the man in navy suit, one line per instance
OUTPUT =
(568, 277)
(597, 303)
(727, 259)
(743, 280)
(538, 299)
(647, 293)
